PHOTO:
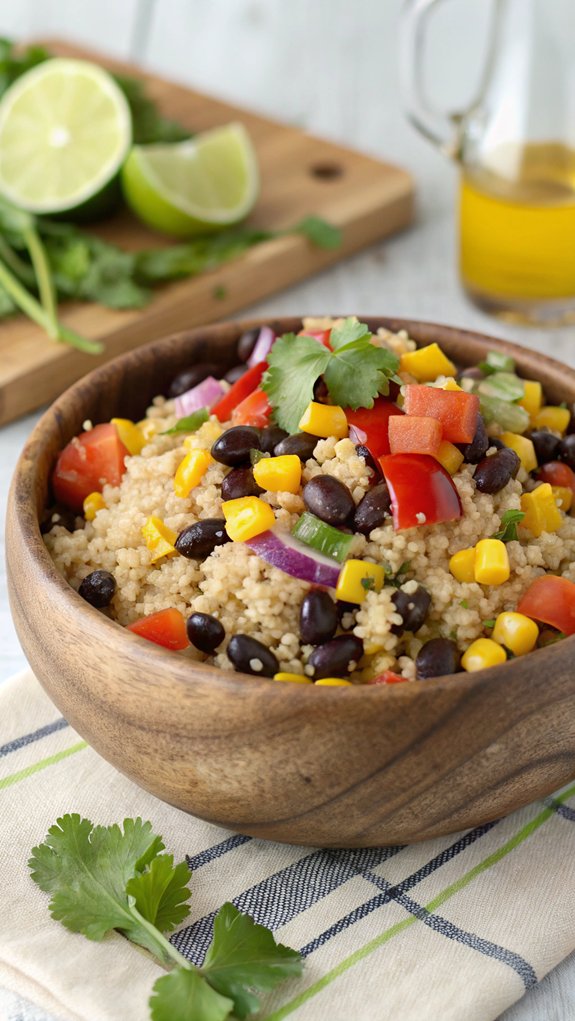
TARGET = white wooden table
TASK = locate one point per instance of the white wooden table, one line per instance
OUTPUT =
(331, 66)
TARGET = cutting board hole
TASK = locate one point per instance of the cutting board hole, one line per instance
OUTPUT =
(326, 171)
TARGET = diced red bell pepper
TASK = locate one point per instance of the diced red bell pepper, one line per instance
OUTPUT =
(556, 473)
(254, 410)
(421, 491)
(241, 389)
(387, 677)
(166, 627)
(86, 463)
(414, 434)
(551, 599)
(455, 409)
(371, 425)
(321, 335)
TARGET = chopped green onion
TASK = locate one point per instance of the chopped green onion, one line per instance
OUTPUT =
(496, 361)
(321, 537)
(489, 624)
(257, 455)
(504, 385)
(509, 416)
(189, 423)
(509, 521)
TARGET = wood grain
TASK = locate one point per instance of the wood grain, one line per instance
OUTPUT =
(367, 199)
(333, 767)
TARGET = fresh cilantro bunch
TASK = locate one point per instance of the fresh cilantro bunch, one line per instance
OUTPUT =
(109, 877)
(355, 371)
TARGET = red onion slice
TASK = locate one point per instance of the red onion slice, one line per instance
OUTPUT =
(262, 346)
(204, 395)
(280, 549)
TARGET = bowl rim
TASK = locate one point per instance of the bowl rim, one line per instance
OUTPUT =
(178, 668)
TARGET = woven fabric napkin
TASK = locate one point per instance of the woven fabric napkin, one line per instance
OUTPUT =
(455, 928)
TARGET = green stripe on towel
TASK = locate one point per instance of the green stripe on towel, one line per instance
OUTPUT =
(7, 781)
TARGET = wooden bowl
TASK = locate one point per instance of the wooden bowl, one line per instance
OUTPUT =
(336, 767)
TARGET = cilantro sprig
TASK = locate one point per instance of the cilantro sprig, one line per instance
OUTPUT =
(355, 371)
(104, 878)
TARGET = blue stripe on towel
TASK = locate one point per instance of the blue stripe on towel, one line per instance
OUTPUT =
(216, 851)
(563, 810)
(35, 735)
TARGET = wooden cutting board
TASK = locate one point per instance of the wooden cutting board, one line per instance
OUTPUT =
(300, 175)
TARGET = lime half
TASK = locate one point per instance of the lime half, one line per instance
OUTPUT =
(65, 130)
(208, 182)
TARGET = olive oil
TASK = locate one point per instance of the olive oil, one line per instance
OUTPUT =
(517, 232)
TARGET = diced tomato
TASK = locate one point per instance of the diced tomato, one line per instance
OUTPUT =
(414, 434)
(455, 409)
(387, 677)
(556, 473)
(166, 627)
(86, 463)
(237, 393)
(421, 491)
(254, 410)
(371, 425)
(551, 600)
(321, 335)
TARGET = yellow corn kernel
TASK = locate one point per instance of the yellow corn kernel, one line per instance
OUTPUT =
(149, 427)
(516, 632)
(160, 539)
(462, 565)
(427, 363)
(450, 384)
(491, 562)
(449, 456)
(278, 474)
(130, 435)
(482, 653)
(210, 432)
(246, 517)
(541, 511)
(552, 417)
(532, 399)
(357, 578)
(92, 504)
(294, 678)
(191, 471)
(563, 497)
(324, 420)
(523, 447)
(333, 682)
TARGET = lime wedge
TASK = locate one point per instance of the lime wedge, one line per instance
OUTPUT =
(206, 183)
(65, 129)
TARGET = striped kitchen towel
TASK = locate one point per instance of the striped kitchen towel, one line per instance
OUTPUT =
(456, 928)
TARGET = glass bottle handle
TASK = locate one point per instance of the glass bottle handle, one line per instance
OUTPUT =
(440, 127)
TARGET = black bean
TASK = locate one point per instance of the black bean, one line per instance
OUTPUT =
(205, 631)
(328, 498)
(437, 657)
(302, 444)
(337, 657)
(495, 471)
(346, 614)
(188, 378)
(232, 375)
(497, 443)
(317, 618)
(270, 437)
(412, 608)
(473, 372)
(320, 391)
(240, 482)
(571, 426)
(197, 541)
(98, 588)
(246, 344)
(57, 516)
(476, 450)
(234, 445)
(251, 657)
(566, 450)
(546, 445)
(370, 461)
(372, 510)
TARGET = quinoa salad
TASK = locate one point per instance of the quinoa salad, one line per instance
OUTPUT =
(341, 508)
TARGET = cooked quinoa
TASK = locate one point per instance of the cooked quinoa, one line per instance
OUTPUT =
(248, 596)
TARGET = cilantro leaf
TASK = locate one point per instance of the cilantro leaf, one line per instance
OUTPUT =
(294, 364)
(321, 233)
(184, 995)
(509, 521)
(489, 624)
(350, 330)
(161, 893)
(244, 959)
(358, 372)
(189, 423)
